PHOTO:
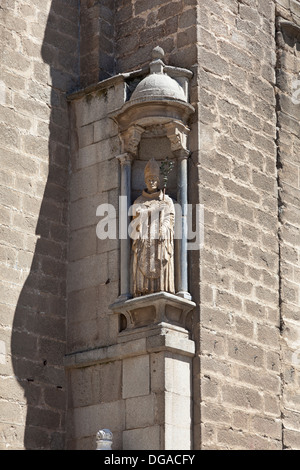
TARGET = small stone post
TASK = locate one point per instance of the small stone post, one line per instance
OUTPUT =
(104, 439)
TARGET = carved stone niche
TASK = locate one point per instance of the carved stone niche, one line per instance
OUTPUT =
(160, 99)
(158, 107)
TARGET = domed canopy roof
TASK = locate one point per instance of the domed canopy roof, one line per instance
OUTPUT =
(158, 99)
(158, 86)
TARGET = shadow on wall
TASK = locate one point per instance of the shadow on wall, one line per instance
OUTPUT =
(38, 335)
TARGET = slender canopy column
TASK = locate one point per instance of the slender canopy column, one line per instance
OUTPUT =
(130, 139)
(177, 134)
(182, 274)
(125, 201)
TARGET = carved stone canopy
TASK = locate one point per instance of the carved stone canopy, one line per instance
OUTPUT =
(159, 100)
(158, 107)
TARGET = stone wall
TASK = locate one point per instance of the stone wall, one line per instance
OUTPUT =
(38, 65)
(93, 272)
(244, 169)
(288, 66)
(118, 36)
(97, 40)
(239, 313)
(249, 265)
(141, 25)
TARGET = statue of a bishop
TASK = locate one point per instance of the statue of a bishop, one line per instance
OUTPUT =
(152, 230)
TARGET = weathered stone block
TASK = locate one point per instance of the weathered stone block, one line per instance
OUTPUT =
(214, 63)
(107, 382)
(265, 426)
(245, 352)
(242, 397)
(178, 375)
(104, 129)
(136, 377)
(97, 152)
(148, 438)
(87, 420)
(87, 272)
(83, 211)
(141, 412)
(177, 437)
(83, 243)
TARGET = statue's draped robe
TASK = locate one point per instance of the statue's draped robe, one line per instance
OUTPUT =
(153, 245)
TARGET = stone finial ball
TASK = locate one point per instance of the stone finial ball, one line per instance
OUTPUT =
(104, 434)
(158, 53)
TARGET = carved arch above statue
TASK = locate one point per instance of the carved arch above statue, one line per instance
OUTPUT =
(159, 100)
(158, 107)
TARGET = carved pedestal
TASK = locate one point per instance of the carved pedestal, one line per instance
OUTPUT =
(152, 309)
(157, 370)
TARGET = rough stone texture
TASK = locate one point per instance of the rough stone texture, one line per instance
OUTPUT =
(288, 163)
(95, 393)
(142, 25)
(236, 167)
(143, 397)
(38, 65)
(93, 268)
(244, 168)
(97, 44)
